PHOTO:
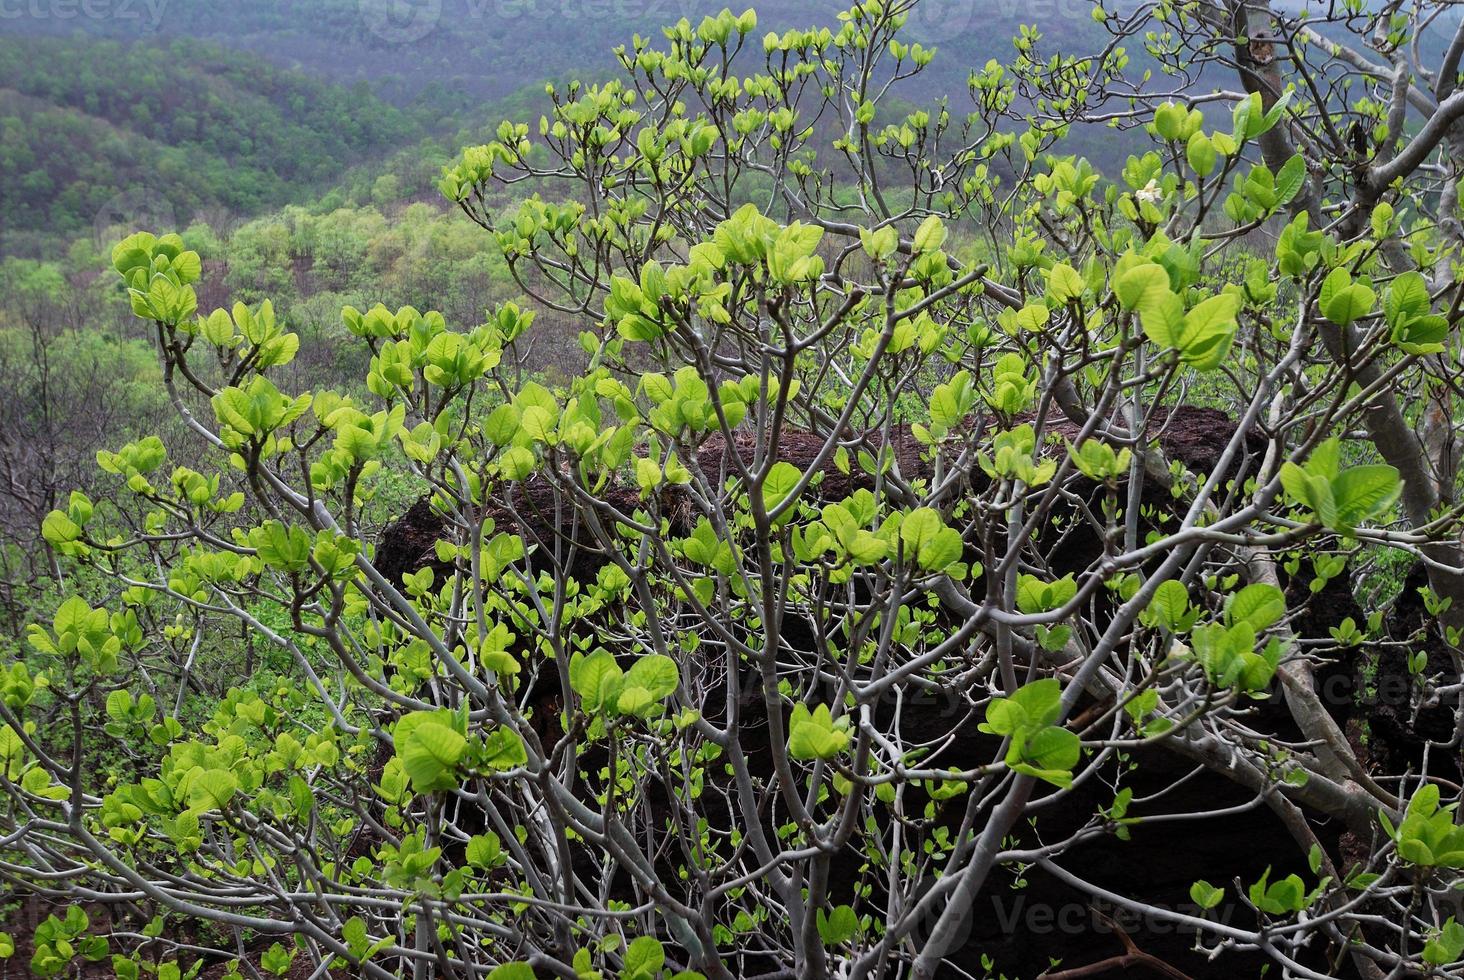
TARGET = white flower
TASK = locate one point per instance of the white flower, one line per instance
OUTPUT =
(1149, 193)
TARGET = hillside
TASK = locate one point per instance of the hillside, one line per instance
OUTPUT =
(88, 127)
(447, 51)
(241, 108)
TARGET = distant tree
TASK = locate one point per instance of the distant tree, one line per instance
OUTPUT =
(386, 190)
(65, 391)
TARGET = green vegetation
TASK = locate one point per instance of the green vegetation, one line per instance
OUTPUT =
(81, 378)
(753, 517)
(93, 132)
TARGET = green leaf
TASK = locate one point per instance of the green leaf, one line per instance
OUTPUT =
(58, 529)
(781, 481)
(644, 958)
(1169, 607)
(813, 735)
(952, 402)
(1341, 499)
(1036, 596)
(1299, 487)
(119, 705)
(595, 678)
(537, 423)
(880, 245)
(1445, 946)
(931, 235)
(657, 387)
(484, 850)
(919, 527)
(512, 971)
(430, 755)
(1162, 318)
(1200, 153)
(1208, 331)
(656, 674)
(277, 959)
(1290, 178)
(1064, 284)
(1053, 749)
(928, 541)
(1141, 287)
(635, 701)
(502, 425)
(354, 933)
(1259, 606)
(1421, 335)
(1342, 300)
(1349, 304)
(1364, 492)
(502, 750)
(516, 463)
(1031, 707)
(1206, 895)
(1170, 121)
(838, 925)
(211, 789)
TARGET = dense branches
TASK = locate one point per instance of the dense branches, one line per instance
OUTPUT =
(865, 568)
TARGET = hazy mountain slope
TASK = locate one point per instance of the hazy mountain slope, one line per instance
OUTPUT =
(488, 48)
(241, 107)
(88, 124)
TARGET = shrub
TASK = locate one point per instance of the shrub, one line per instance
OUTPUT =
(812, 606)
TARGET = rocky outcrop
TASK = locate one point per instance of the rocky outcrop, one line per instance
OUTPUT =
(1194, 436)
(1023, 929)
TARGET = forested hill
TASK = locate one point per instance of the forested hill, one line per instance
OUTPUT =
(87, 125)
(239, 108)
(446, 50)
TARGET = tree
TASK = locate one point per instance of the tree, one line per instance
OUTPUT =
(67, 390)
(868, 540)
